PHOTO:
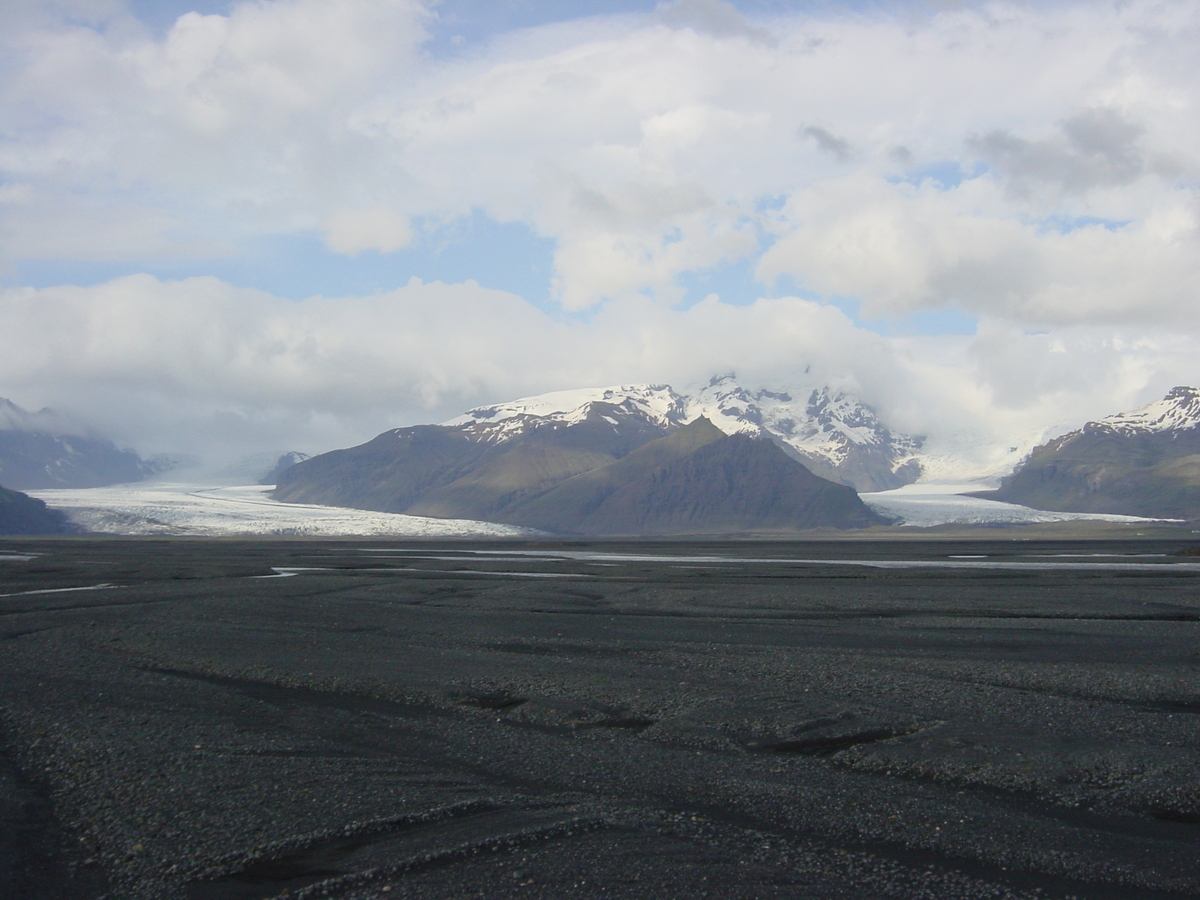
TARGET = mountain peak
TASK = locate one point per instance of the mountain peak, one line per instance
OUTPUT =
(834, 434)
(657, 404)
(1178, 410)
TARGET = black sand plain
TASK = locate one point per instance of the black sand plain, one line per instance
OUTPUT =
(383, 719)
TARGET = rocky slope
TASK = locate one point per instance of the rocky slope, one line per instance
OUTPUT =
(1145, 462)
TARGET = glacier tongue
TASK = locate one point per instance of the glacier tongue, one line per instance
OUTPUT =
(169, 508)
(929, 505)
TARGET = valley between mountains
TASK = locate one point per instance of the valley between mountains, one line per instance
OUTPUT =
(645, 460)
(627, 460)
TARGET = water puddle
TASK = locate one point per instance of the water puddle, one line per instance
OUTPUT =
(66, 590)
(1088, 562)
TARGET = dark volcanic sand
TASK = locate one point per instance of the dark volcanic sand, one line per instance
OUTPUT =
(433, 720)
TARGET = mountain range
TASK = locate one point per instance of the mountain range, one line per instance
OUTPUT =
(831, 433)
(638, 459)
(1145, 462)
(43, 450)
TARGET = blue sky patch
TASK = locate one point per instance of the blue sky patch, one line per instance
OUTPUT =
(503, 256)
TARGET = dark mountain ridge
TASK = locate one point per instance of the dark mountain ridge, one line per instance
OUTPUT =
(449, 471)
(697, 480)
(611, 472)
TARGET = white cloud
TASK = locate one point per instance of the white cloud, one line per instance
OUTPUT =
(712, 17)
(351, 231)
(206, 367)
(902, 248)
(36, 225)
(643, 145)
(234, 126)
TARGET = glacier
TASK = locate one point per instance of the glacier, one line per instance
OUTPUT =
(205, 510)
(177, 508)
(923, 505)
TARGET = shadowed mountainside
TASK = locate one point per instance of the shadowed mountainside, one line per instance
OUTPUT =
(697, 480)
(597, 476)
(448, 472)
(22, 514)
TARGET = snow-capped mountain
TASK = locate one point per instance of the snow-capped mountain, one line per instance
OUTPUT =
(656, 404)
(1179, 410)
(1145, 462)
(833, 434)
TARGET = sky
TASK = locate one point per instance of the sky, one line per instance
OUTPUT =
(235, 226)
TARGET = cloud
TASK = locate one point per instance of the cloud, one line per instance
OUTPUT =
(902, 248)
(828, 143)
(644, 146)
(712, 17)
(204, 367)
(1098, 147)
(39, 225)
(351, 231)
(229, 127)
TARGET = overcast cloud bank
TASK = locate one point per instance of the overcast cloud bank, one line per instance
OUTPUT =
(1032, 166)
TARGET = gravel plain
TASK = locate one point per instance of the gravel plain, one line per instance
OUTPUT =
(192, 719)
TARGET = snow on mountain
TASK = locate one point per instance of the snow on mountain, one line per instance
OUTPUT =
(1179, 410)
(833, 434)
(816, 424)
(655, 403)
